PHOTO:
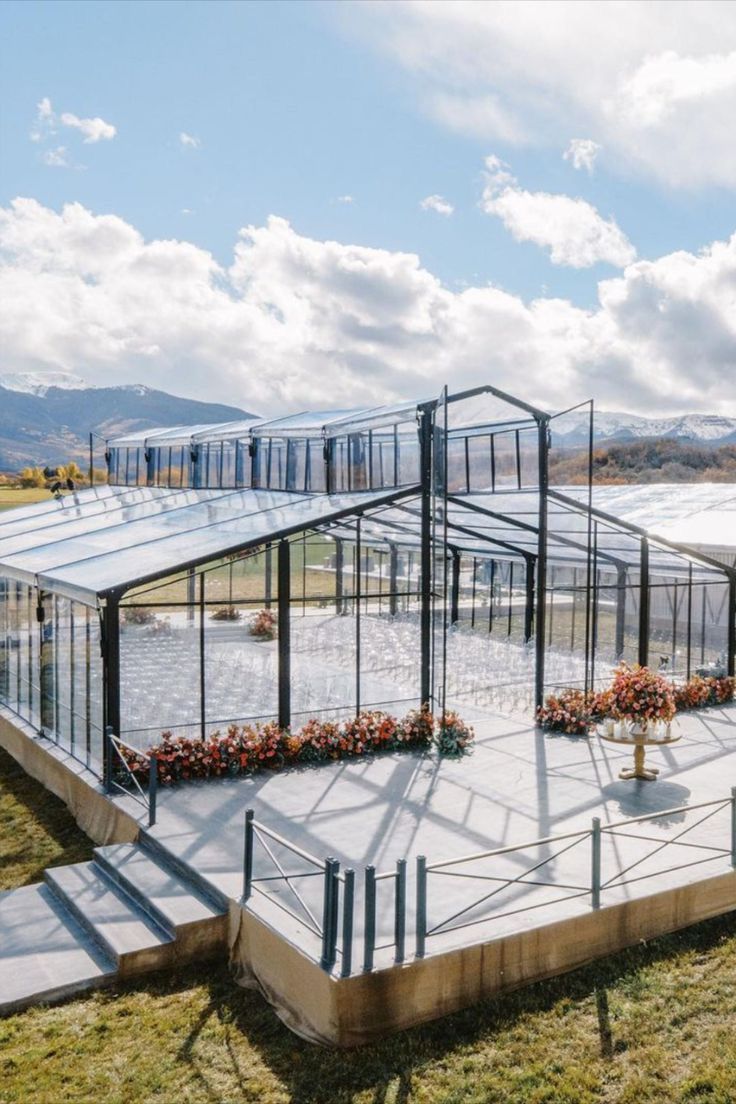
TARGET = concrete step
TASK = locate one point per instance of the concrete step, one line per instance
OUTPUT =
(170, 899)
(191, 877)
(45, 955)
(121, 928)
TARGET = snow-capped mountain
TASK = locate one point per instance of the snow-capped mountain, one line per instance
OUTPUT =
(610, 427)
(46, 417)
(38, 383)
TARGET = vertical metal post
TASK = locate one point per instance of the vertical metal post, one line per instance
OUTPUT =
(152, 788)
(202, 659)
(594, 618)
(400, 911)
(689, 618)
(329, 913)
(425, 615)
(369, 925)
(91, 461)
(268, 576)
(191, 593)
(421, 917)
(358, 591)
(731, 651)
(529, 602)
(348, 905)
(393, 569)
(111, 674)
(620, 644)
(455, 588)
(108, 758)
(644, 604)
(595, 879)
(733, 826)
(284, 634)
(339, 575)
(248, 855)
(541, 611)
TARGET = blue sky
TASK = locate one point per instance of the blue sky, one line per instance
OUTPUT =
(294, 105)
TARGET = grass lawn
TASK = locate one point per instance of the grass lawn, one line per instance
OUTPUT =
(654, 1024)
(20, 496)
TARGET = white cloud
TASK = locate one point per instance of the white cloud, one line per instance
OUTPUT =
(437, 203)
(94, 130)
(345, 199)
(654, 83)
(571, 229)
(57, 158)
(44, 124)
(47, 122)
(189, 141)
(295, 323)
(582, 152)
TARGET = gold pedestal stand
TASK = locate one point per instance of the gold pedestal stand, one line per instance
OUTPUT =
(649, 737)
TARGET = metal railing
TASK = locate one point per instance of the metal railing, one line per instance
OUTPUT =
(117, 768)
(533, 875)
(331, 915)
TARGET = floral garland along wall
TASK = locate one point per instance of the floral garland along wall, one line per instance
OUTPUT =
(254, 747)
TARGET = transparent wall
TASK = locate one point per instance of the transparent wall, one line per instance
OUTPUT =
(51, 668)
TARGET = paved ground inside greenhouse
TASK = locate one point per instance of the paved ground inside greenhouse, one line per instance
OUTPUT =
(516, 786)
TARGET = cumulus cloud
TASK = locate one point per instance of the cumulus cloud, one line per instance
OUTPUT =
(572, 229)
(582, 152)
(94, 130)
(437, 203)
(293, 323)
(46, 125)
(189, 141)
(654, 83)
(57, 158)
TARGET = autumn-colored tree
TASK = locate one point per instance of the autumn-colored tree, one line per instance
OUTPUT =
(32, 477)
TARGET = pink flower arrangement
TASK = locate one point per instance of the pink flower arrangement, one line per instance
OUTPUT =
(254, 747)
(263, 625)
(573, 711)
(640, 694)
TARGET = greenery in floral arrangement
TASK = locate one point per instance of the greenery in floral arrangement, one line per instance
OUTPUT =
(253, 747)
(453, 734)
(225, 613)
(263, 625)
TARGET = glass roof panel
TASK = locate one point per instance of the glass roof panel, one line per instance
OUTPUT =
(310, 423)
(117, 556)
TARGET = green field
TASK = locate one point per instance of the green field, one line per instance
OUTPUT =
(655, 1024)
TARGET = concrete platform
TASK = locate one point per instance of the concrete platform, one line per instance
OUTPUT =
(517, 785)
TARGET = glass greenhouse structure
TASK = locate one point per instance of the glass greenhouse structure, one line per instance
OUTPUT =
(420, 552)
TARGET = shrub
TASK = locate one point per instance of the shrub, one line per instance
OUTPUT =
(225, 613)
(453, 735)
(263, 625)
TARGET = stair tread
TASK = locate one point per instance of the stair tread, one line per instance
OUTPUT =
(119, 922)
(168, 893)
(44, 953)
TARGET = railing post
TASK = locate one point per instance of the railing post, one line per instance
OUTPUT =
(733, 826)
(152, 788)
(421, 919)
(108, 758)
(347, 923)
(329, 914)
(595, 887)
(248, 855)
(369, 929)
(400, 911)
